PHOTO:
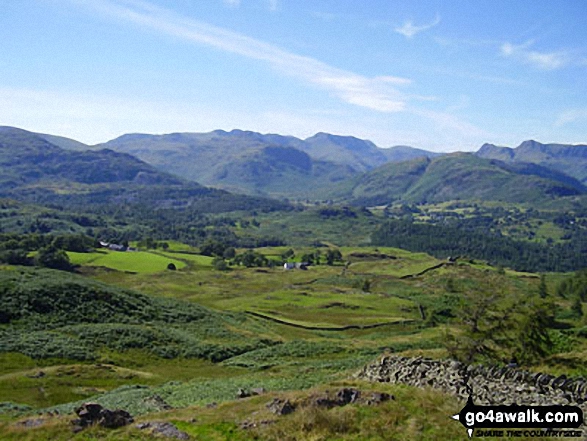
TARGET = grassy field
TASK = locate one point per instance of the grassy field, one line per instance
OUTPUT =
(298, 313)
(140, 262)
(188, 257)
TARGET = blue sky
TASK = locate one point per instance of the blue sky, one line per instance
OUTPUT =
(439, 75)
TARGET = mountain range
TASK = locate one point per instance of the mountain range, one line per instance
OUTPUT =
(35, 170)
(322, 167)
(568, 159)
(254, 163)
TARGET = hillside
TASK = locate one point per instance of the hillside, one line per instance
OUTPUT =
(278, 171)
(359, 154)
(255, 163)
(565, 158)
(456, 176)
(223, 348)
(35, 170)
(64, 143)
(48, 314)
(27, 159)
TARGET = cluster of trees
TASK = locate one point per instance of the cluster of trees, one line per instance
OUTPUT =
(187, 213)
(225, 255)
(316, 257)
(16, 249)
(252, 259)
(333, 212)
(443, 241)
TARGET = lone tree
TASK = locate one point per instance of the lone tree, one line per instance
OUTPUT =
(333, 256)
(542, 288)
(494, 324)
(289, 254)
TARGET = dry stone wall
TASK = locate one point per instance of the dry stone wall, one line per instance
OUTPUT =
(488, 385)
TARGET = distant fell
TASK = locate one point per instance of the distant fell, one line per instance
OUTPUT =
(65, 143)
(401, 153)
(34, 170)
(457, 176)
(565, 158)
(262, 164)
(28, 159)
(359, 154)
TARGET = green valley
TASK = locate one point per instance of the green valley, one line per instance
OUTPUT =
(185, 305)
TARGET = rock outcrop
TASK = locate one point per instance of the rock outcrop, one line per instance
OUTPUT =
(93, 413)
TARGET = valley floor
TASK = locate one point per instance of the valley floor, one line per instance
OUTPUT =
(294, 333)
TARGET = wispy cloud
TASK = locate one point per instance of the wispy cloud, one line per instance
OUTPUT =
(409, 29)
(541, 60)
(377, 93)
(570, 117)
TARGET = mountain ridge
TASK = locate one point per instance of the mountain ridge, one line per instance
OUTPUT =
(33, 170)
(235, 160)
(570, 159)
(327, 166)
(456, 176)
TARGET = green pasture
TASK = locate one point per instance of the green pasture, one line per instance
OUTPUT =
(370, 290)
(192, 259)
(140, 262)
(369, 287)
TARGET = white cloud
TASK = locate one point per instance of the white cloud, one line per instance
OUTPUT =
(377, 93)
(570, 117)
(408, 29)
(553, 60)
(541, 60)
